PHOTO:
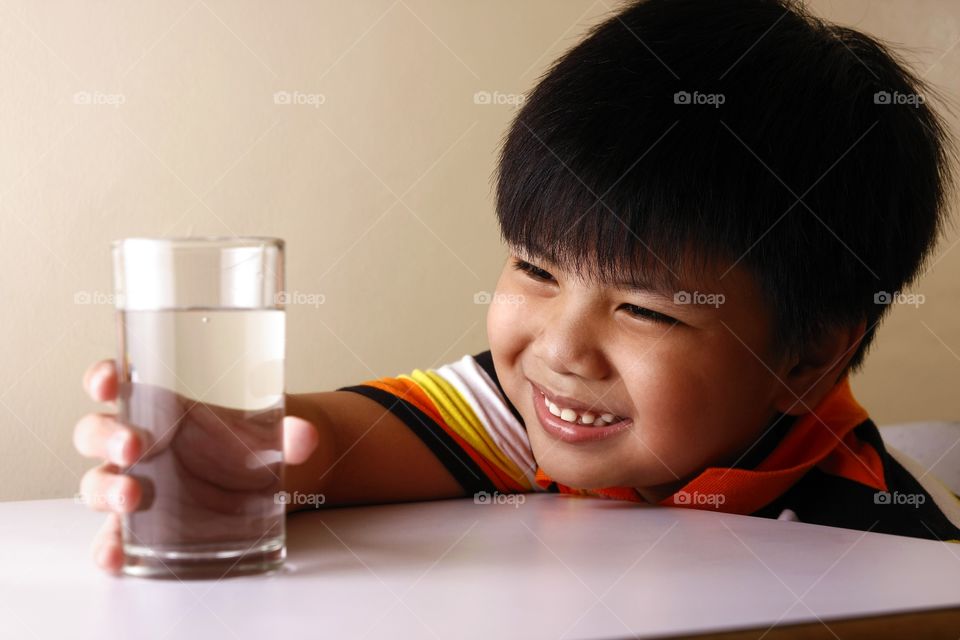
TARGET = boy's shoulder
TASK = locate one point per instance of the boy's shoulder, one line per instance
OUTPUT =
(460, 411)
(913, 503)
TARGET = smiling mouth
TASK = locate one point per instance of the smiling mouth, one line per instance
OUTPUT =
(578, 417)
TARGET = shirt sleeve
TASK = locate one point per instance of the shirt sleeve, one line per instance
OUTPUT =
(460, 413)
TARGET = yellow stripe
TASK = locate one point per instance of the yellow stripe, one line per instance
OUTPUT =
(460, 416)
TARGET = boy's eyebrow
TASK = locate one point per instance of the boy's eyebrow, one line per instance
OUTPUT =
(637, 285)
(647, 287)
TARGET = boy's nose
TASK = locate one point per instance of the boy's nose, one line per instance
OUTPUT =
(571, 345)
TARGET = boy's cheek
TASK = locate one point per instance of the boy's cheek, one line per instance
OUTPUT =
(682, 420)
(507, 335)
(509, 322)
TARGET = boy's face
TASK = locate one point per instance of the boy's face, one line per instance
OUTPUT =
(691, 385)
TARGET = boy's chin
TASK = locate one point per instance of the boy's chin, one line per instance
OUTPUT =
(578, 477)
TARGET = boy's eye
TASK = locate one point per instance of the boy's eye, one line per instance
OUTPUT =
(534, 272)
(648, 314)
(643, 313)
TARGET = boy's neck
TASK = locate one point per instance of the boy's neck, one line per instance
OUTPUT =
(771, 436)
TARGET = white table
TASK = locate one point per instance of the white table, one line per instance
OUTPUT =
(553, 567)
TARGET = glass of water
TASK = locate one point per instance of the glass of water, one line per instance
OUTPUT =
(201, 337)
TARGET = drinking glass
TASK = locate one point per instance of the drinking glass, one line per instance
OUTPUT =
(201, 336)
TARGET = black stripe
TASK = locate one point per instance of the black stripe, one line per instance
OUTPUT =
(485, 360)
(772, 435)
(460, 465)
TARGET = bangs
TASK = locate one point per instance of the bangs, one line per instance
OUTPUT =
(618, 220)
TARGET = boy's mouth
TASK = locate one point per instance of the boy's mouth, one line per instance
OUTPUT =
(574, 412)
(570, 427)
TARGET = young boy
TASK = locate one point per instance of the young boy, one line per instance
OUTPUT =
(709, 206)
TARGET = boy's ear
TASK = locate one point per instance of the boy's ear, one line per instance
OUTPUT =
(810, 375)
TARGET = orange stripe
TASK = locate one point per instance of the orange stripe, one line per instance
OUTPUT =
(411, 392)
(811, 437)
(542, 479)
(858, 461)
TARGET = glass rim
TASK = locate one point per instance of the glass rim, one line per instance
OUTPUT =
(201, 241)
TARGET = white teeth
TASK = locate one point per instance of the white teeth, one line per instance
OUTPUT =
(569, 415)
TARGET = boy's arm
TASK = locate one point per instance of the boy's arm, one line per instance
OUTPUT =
(366, 454)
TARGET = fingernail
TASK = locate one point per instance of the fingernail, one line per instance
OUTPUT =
(115, 447)
(97, 380)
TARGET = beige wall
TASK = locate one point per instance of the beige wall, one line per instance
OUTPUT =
(382, 191)
(913, 371)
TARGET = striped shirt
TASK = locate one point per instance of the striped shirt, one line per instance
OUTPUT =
(828, 466)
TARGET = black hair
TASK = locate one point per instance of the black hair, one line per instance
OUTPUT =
(682, 134)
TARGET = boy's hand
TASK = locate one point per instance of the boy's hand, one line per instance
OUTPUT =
(102, 436)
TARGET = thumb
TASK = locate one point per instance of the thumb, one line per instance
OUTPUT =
(300, 438)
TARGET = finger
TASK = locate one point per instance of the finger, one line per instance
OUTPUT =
(104, 489)
(108, 545)
(300, 438)
(100, 435)
(100, 381)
